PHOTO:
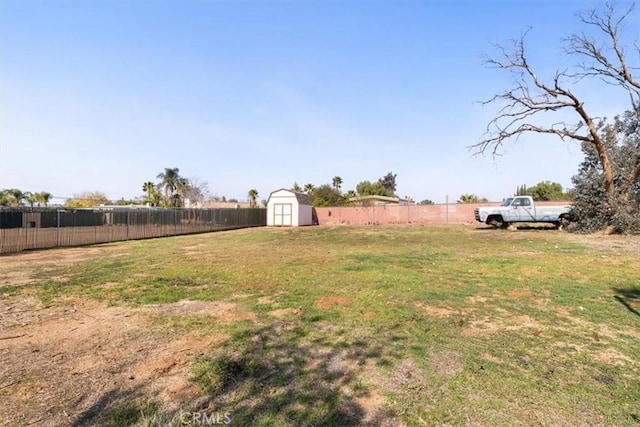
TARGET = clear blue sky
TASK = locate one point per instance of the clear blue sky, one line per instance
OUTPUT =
(103, 95)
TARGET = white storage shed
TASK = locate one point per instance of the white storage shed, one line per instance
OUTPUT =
(286, 208)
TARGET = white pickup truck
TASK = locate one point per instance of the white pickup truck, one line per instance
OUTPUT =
(522, 209)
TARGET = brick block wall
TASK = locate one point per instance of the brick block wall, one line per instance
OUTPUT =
(452, 213)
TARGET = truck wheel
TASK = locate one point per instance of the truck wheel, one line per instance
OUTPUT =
(563, 221)
(495, 221)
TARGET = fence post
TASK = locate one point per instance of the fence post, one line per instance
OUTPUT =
(58, 228)
(447, 209)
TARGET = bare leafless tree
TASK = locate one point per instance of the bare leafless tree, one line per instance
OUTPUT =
(195, 192)
(527, 107)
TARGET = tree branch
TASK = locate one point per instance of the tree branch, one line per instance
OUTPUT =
(613, 68)
(522, 104)
(525, 107)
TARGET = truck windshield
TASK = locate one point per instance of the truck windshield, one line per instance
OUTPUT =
(507, 202)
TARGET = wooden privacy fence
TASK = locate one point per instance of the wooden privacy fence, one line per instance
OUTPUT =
(40, 228)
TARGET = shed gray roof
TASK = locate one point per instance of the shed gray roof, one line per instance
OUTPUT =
(303, 198)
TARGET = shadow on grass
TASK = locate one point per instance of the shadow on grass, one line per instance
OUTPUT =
(530, 226)
(117, 407)
(524, 226)
(280, 374)
(629, 297)
(283, 375)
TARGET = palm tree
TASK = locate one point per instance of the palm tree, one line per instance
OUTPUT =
(175, 200)
(31, 198)
(350, 194)
(171, 180)
(43, 197)
(468, 198)
(5, 199)
(346, 198)
(337, 182)
(308, 188)
(17, 196)
(253, 198)
(149, 188)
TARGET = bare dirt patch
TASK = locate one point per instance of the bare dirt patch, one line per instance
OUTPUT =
(266, 301)
(15, 278)
(20, 311)
(480, 327)
(61, 361)
(221, 310)
(613, 357)
(606, 242)
(328, 303)
(62, 256)
(14, 272)
(259, 286)
(530, 272)
(407, 377)
(168, 368)
(492, 358)
(519, 293)
(507, 322)
(284, 312)
(438, 311)
(446, 362)
(562, 310)
(598, 241)
(597, 330)
(524, 320)
(478, 298)
(373, 404)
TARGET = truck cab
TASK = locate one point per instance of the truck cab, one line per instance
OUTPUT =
(521, 209)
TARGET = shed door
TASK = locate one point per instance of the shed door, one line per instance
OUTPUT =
(282, 214)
